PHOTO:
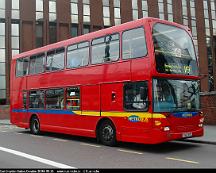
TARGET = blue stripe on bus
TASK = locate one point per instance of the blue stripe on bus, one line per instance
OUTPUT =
(185, 114)
(44, 111)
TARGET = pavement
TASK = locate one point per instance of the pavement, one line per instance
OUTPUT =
(208, 138)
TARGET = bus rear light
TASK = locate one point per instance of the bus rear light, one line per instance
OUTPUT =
(166, 129)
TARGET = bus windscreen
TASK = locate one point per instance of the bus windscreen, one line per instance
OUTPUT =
(174, 50)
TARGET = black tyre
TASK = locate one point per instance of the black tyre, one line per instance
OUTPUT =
(107, 133)
(35, 126)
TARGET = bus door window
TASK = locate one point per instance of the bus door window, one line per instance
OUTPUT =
(55, 99)
(134, 44)
(136, 96)
(73, 98)
(105, 49)
(36, 99)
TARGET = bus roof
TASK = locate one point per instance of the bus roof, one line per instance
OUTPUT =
(92, 35)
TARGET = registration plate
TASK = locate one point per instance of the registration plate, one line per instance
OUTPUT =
(187, 134)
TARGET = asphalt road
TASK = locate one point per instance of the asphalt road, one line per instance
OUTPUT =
(20, 149)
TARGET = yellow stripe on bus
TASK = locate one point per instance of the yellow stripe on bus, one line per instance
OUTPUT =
(120, 114)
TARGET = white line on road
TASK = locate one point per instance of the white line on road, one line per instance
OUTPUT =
(3, 131)
(129, 151)
(36, 158)
(86, 144)
(60, 140)
(182, 160)
(36, 136)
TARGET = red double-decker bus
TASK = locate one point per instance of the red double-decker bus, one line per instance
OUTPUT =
(136, 82)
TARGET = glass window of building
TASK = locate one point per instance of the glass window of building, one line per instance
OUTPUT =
(135, 9)
(15, 37)
(106, 13)
(209, 6)
(117, 12)
(185, 12)
(15, 12)
(86, 11)
(145, 8)
(52, 10)
(74, 11)
(170, 10)
(161, 9)
(39, 10)
(2, 9)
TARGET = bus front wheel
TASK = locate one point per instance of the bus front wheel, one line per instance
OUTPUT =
(107, 133)
(35, 125)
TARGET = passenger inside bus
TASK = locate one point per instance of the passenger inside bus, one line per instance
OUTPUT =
(140, 99)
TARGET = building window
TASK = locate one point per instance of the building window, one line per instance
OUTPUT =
(207, 16)
(15, 12)
(39, 34)
(117, 12)
(145, 8)
(74, 30)
(39, 10)
(135, 9)
(52, 32)
(52, 22)
(161, 9)
(170, 10)
(15, 37)
(185, 12)
(106, 13)
(2, 9)
(213, 14)
(74, 11)
(52, 10)
(86, 11)
(86, 29)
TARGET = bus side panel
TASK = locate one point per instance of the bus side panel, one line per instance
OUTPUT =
(90, 106)
(18, 85)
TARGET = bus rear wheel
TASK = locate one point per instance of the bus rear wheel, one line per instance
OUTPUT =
(107, 133)
(35, 126)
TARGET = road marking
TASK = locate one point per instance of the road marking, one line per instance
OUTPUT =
(91, 145)
(3, 131)
(60, 140)
(36, 136)
(182, 160)
(129, 151)
(36, 158)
